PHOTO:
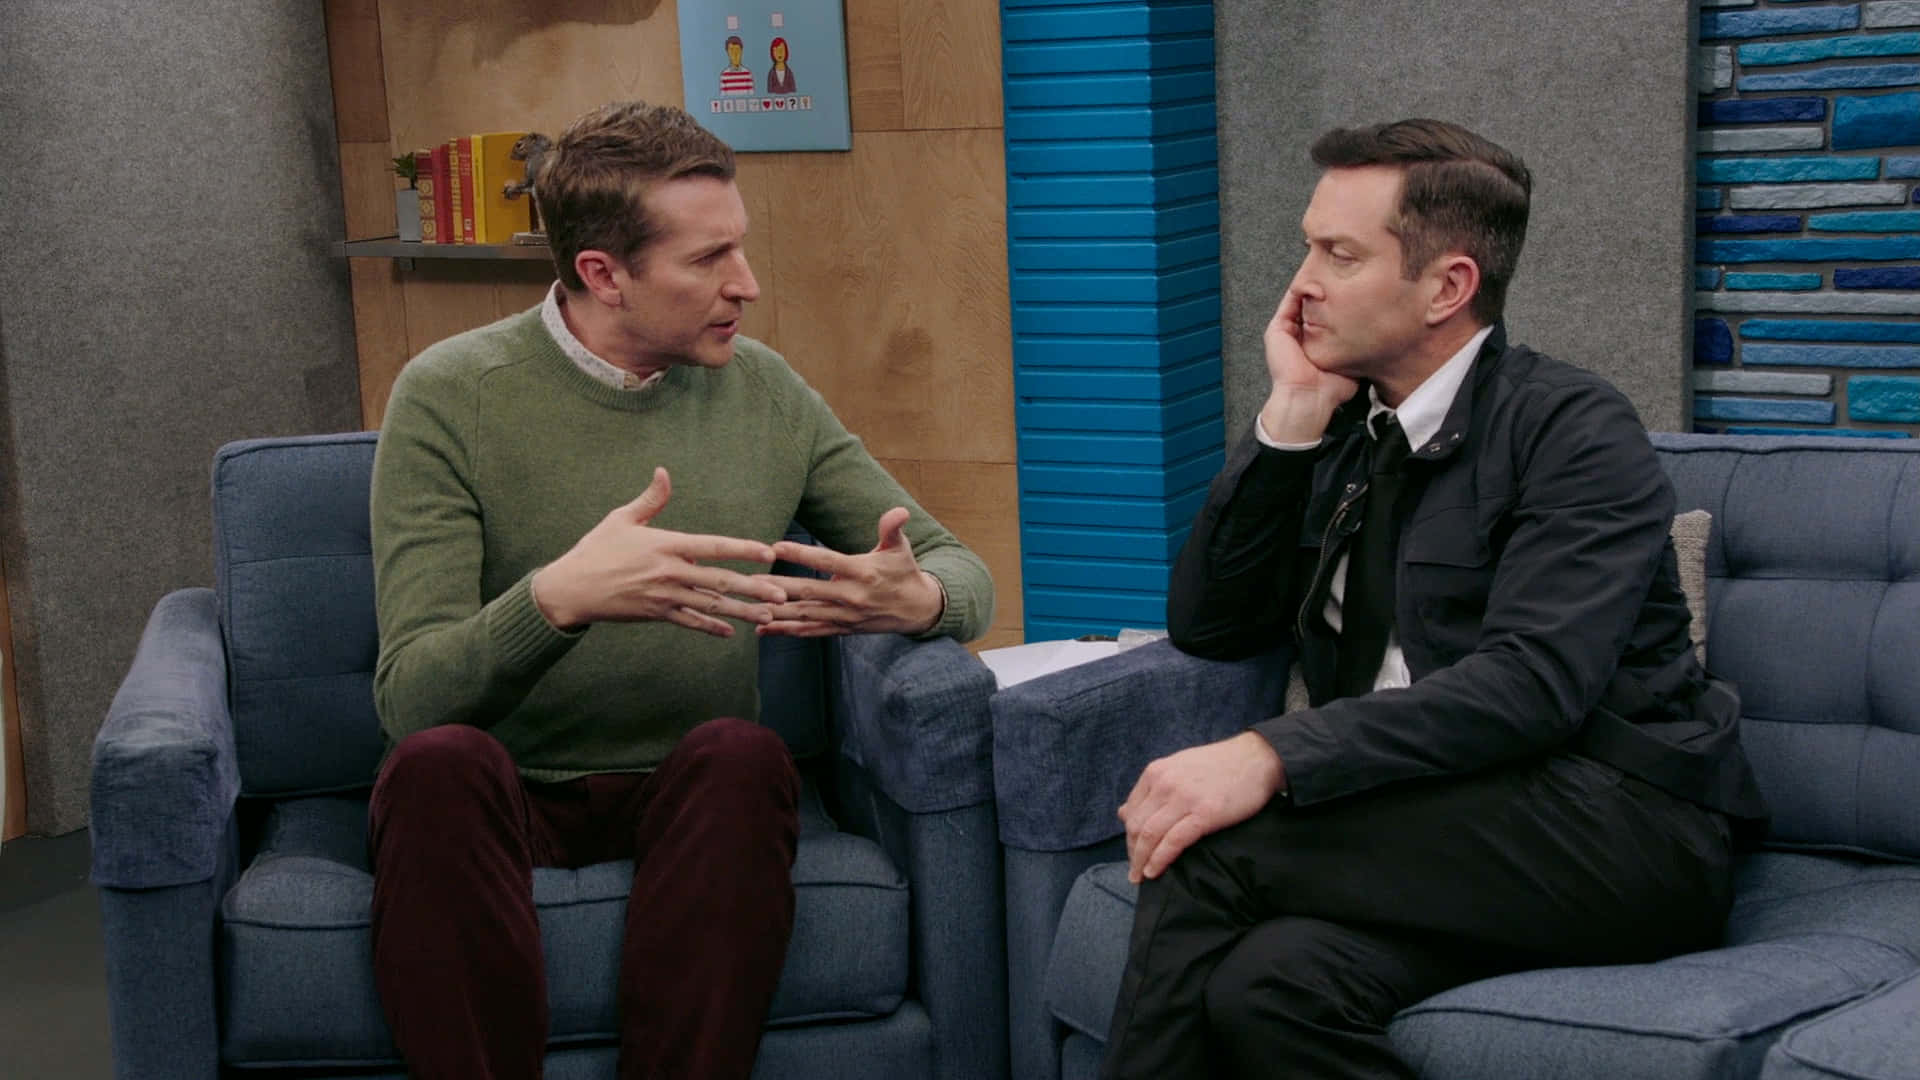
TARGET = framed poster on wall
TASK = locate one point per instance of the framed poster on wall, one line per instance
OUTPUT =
(767, 74)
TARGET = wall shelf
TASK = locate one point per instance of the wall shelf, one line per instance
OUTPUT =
(390, 247)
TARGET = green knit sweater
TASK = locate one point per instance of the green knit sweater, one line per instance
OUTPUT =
(498, 453)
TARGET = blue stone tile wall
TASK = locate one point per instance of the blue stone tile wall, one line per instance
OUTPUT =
(1807, 246)
(1113, 236)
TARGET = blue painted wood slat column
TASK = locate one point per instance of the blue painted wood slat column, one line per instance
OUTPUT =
(1113, 223)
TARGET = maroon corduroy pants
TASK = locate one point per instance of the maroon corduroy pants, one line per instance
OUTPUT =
(455, 835)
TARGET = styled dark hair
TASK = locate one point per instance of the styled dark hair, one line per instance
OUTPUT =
(1460, 193)
(594, 181)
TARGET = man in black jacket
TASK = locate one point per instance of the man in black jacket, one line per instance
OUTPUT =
(1512, 758)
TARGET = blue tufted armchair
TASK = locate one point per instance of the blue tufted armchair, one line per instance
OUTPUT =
(229, 816)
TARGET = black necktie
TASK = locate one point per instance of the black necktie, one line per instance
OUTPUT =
(1366, 610)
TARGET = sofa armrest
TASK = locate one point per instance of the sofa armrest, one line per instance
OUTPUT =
(1067, 747)
(913, 715)
(165, 775)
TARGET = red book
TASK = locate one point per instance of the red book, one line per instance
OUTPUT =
(443, 195)
(428, 194)
(463, 152)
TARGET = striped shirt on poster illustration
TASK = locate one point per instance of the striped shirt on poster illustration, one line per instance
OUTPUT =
(736, 80)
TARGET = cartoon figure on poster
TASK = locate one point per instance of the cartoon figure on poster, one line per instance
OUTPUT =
(737, 78)
(768, 110)
(779, 76)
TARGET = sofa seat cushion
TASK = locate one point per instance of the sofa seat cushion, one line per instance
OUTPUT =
(1707, 1015)
(295, 942)
(1808, 934)
(1874, 1038)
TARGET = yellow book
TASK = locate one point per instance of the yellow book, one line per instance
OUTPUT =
(495, 216)
(478, 187)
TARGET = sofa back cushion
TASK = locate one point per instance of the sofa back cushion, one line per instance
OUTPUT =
(1813, 568)
(293, 569)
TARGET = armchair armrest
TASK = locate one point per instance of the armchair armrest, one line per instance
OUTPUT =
(165, 775)
(914, 727)
(1067, 747)
(913, 715)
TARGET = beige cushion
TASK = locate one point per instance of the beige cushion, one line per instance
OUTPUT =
(1690, 532)
(1297, 698)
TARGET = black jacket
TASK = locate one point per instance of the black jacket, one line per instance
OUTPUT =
(1537, 599)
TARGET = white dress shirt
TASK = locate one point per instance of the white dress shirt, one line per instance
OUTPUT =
(1420, 416)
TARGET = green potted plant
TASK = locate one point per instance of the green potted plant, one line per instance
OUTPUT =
(406, 200)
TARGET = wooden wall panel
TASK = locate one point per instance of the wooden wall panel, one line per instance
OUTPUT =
(997, 638)
(521, 288)
(980, 504)
(907, 471)
(873, 65)
(380, 332)
(446, 296)
(972, 500)
(454, 67)
(950, 65)
(397, 312)
(353, 59)
(891, 269)
(756, 175)
(366, 189)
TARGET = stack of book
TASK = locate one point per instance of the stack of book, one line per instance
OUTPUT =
(462, 187)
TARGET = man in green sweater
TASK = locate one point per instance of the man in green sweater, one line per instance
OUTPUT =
(571, 511)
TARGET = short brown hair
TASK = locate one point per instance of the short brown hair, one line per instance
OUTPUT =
(593, 183)
(1459, 192)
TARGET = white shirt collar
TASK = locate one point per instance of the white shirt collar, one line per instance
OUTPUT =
(582, 356)
(1425, 409)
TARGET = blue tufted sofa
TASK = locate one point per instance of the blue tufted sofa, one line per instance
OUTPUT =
(229, 814)
(1813, 569)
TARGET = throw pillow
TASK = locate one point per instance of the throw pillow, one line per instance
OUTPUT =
(1690, 532)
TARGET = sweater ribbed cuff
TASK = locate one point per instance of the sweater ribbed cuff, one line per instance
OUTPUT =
(940, 625)
(954, 612)
(522, 637)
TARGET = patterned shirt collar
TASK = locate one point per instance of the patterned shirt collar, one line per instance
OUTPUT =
(582, 356)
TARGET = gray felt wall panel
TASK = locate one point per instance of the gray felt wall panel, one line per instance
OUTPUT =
(168, 203)
(1595, 97)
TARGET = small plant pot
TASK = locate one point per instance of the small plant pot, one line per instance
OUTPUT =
(406, 214)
